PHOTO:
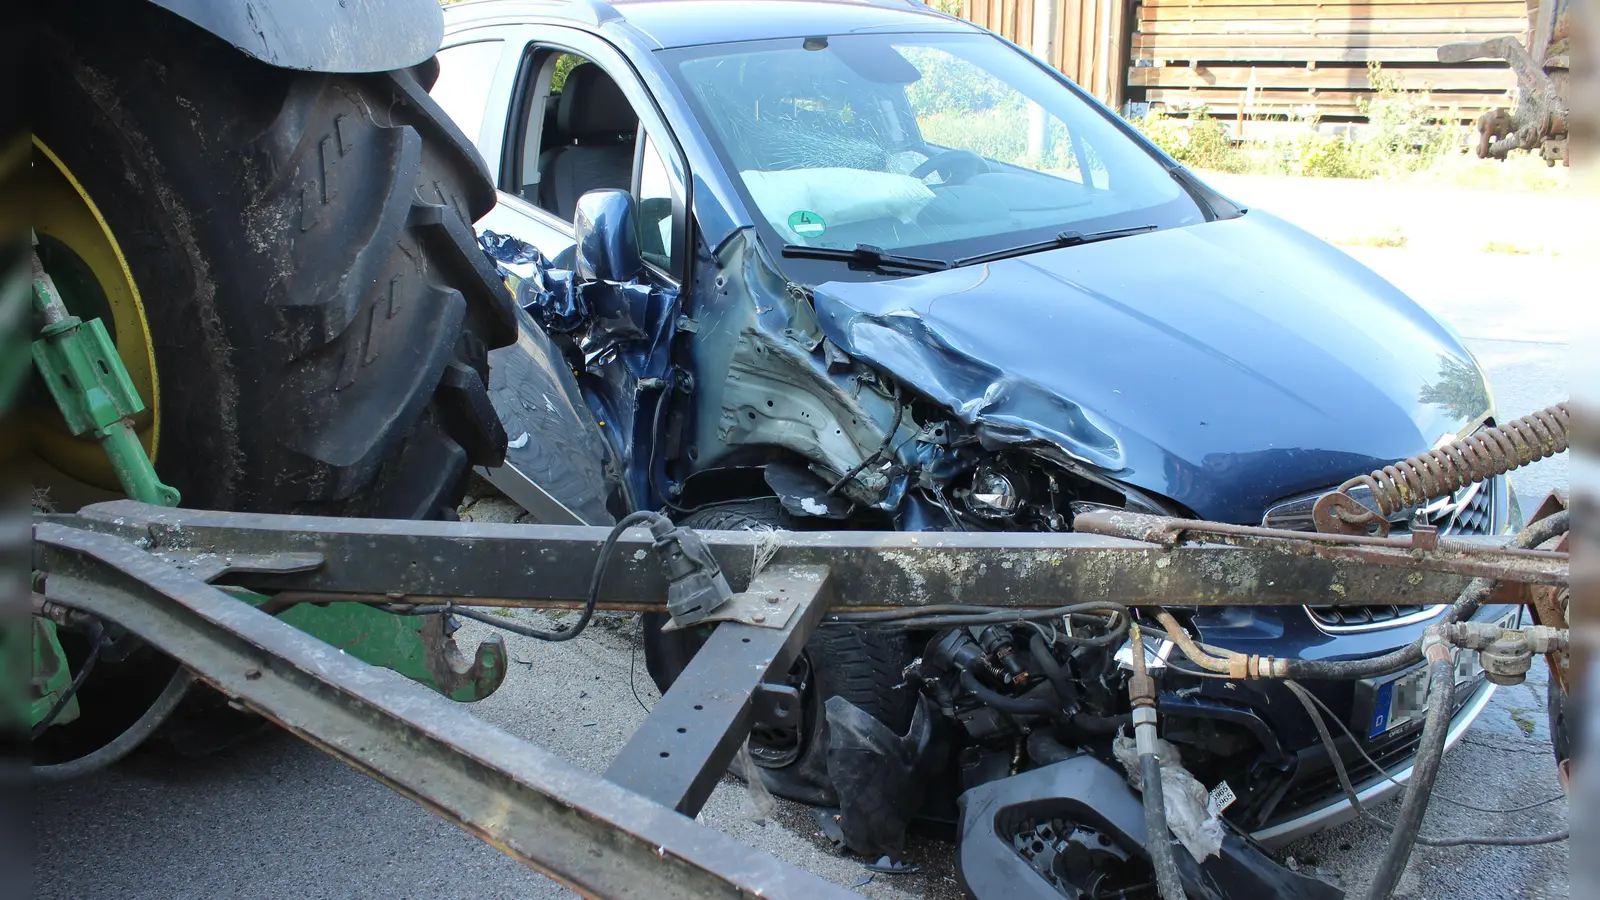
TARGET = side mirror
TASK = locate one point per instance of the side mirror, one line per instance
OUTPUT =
(608, 244)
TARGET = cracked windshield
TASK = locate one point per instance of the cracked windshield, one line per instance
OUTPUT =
(947, 145)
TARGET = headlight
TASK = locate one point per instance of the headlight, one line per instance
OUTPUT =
(993, 495)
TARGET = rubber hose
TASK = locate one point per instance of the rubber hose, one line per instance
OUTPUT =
(1066, 691)
(124, 743)
(1466, 606)
(1168, 881)
(1022, 706)
(1430, 753)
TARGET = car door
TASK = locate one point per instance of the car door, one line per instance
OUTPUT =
(549, 133)
(559, 466)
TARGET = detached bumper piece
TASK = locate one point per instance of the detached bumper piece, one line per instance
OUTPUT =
(1074, 829)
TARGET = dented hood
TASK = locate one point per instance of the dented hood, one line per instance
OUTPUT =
(1225, 365)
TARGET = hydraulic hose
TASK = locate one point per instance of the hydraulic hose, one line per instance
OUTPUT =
(1141, 691)
(124, 743)
(1066, 691)
(1022, 706)
(1430, 753)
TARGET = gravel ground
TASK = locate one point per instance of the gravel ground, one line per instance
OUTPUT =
(275, 818)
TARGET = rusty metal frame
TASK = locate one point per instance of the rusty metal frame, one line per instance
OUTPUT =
(629, 834)
(587, 832)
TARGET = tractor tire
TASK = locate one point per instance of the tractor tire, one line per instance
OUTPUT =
(319, 311)
(862, 665)
(314, 306)
(1565, 725)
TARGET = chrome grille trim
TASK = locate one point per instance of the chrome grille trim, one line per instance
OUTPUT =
(1468, 512)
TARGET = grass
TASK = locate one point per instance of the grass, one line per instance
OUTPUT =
(1393, 238)
(1523, 721)
(1511, 249)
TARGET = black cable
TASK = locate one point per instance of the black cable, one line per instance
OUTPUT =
(1516, 840)
(126, 742)
(56, 708)
(920, 618)
(633, 659)
(606, 549)
(894, 426)
(1493, 810)
(1306, 698)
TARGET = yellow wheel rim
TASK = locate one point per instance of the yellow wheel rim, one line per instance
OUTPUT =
(83, 257)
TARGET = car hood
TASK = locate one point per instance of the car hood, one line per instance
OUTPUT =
(1224, 365)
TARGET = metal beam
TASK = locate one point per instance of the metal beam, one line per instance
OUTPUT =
(680, 751)
(530, 564)
(587, 833)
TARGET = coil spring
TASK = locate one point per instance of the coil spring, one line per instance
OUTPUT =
(1492, 451)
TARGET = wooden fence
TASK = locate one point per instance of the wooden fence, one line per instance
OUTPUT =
(1090, 43)
(1267, 56)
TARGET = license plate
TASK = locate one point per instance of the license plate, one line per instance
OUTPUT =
(1404, 698)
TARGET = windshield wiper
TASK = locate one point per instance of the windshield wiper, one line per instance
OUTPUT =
(1064, 239)
(866, 256)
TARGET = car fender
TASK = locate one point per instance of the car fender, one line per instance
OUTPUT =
(321, 36)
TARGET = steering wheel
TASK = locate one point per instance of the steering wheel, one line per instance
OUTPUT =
(954, 166)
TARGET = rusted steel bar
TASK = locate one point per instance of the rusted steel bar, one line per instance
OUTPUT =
(1423, 549)
(537, 564)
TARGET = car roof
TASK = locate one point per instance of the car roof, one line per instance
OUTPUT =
(687, 23)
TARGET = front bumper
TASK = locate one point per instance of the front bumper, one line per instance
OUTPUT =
(1374, 790)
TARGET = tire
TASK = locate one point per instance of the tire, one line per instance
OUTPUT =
(319, 310)
(862, 665)
(1564, 723)
(317, 307)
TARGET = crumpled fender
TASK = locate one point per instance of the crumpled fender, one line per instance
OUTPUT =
(880, 775)
(322, 35)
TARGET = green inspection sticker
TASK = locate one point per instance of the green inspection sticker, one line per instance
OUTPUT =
(807, 223)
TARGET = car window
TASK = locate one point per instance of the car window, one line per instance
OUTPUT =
(581, 133)
(462, 89)
(934, 145)
(657, 187)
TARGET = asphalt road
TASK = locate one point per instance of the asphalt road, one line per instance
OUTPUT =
(275, 818)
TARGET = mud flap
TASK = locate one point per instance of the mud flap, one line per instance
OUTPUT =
(879, 774)
(1025, 837)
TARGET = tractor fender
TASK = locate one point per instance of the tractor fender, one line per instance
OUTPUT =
(322, 35)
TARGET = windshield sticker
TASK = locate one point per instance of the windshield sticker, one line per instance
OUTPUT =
(807, 223)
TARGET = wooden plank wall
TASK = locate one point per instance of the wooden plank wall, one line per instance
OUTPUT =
(1301, 53)
(1090, 41)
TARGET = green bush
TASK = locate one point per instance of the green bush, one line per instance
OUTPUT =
(1200, 141)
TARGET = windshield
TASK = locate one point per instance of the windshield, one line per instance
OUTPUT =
(938, 146)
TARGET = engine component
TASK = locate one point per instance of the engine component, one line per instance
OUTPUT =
(697, 586)
(997, 642)
(1437, 473)
(1506, 653)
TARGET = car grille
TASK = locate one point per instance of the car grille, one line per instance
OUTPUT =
(1469, 511)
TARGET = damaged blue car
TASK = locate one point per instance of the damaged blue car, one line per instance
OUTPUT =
(850, 265)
